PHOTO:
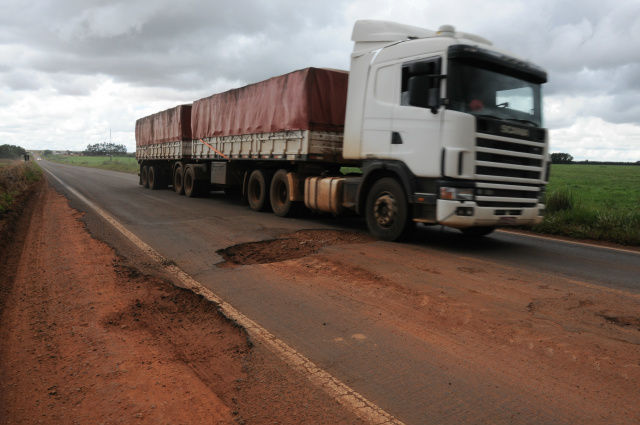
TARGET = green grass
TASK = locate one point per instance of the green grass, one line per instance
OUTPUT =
(597, 202)
(611, 187)
(125, 164)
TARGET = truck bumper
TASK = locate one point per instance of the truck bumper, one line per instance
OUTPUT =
(459, 215)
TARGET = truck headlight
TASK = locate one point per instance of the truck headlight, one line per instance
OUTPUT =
(456, 193)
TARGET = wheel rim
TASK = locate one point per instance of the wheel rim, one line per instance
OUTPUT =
(385, 210)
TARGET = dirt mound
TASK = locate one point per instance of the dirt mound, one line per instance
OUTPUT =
(87, 340)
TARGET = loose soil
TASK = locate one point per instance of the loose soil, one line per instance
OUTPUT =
(571, 346)
(88, 340)
(289, 247)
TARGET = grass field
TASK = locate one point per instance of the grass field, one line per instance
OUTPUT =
(599, 202)
(612, 187)
(125, 164)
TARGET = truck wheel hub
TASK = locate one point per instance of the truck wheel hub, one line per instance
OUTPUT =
(385, 210)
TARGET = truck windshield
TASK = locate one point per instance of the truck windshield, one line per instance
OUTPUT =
(493, 94)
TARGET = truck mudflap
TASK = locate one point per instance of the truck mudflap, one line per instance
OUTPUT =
(460, 215)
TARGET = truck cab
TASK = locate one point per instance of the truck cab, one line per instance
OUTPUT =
(450, 124)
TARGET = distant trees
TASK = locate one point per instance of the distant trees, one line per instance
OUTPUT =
(103, 149)
(561, 158)
(12, 152)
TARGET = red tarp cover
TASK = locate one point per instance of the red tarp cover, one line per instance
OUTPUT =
(172, 125)
(308, 99)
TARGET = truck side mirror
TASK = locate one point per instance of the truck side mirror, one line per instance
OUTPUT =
(422, 93)
(433, 101)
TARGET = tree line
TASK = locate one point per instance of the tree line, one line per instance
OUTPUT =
(561, 158)
(105, 149)
(565, 158)
(12, 152)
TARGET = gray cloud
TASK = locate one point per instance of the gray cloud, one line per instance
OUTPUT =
(161, 43)
(158, 53)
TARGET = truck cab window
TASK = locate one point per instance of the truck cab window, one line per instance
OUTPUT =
(520, 99)
(490, 91)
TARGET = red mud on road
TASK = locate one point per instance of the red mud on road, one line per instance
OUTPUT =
(85, 340)
(569, 349)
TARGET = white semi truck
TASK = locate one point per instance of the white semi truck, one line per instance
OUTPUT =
(434, 127)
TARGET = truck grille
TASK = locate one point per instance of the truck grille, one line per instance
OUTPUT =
(506, 196)
(509, 153)
(509, 164)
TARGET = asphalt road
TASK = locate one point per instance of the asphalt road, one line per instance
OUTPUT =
(409, 377)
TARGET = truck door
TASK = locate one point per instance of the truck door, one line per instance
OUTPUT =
(416, 126)
(381, 99)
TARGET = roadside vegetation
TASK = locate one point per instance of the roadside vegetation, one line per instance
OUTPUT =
(16, 177)
(597, 202)
(125, 164)
(11, 152)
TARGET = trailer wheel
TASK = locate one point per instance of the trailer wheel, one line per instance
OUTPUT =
(477, 231)
(178, 180)
(154, 178)
(144, 176)
(258, 190)
(190, 184)
(387, 210)
(280, 196)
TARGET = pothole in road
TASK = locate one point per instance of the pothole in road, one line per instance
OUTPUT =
(624, 322)
(290, 247)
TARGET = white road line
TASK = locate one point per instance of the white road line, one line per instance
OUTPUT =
(340, 392)
(590, 245)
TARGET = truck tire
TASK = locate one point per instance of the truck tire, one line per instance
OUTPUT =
(258, 190)
(144, 176)
(477, 231)
(178, 180)
(280, 196)
(387, 210)
(154, 178)
(190, 183)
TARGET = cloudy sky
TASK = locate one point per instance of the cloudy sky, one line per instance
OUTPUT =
(72, 71)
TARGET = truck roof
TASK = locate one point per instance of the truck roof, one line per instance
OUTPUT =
(370, 35)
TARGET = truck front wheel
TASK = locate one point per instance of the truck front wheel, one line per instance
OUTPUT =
(258, 190)
(387, 210)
